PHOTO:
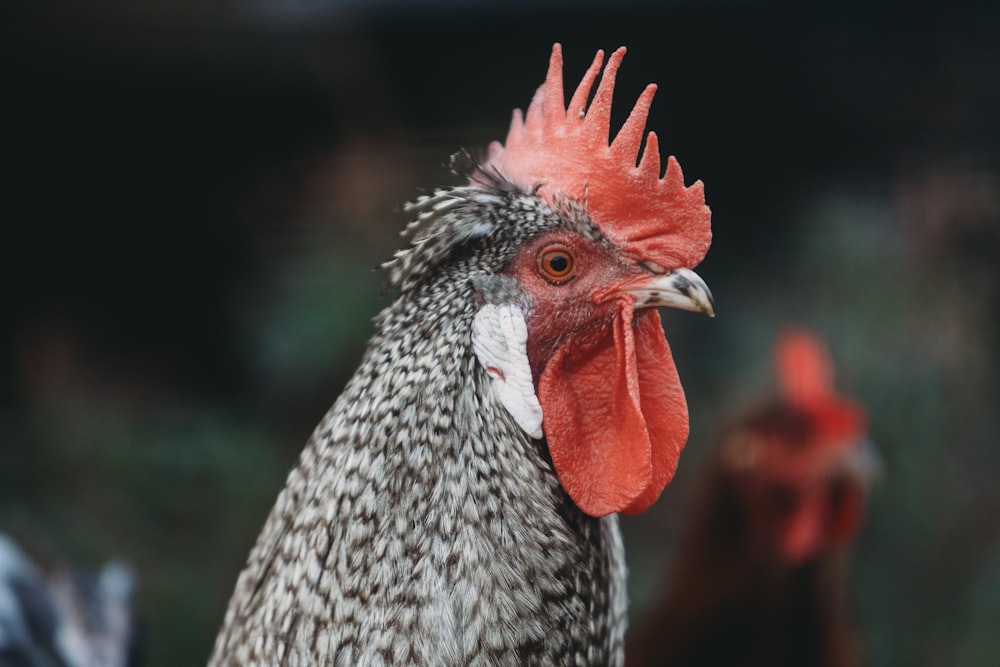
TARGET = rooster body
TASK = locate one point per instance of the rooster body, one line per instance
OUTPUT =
(422, 525)
(447, 510)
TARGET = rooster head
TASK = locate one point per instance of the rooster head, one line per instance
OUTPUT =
(612, 408)
(570, 242)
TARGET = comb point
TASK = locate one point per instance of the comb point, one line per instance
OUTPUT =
(674, 176)
(649, 164)
(597, 122)
(629, 138)
(554, 104)
(578, 103)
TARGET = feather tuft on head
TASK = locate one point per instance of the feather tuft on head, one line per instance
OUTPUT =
(566, 151)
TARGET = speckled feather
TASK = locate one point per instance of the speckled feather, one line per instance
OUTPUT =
(421, 525)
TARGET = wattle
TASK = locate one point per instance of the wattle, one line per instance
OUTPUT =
(615, 416)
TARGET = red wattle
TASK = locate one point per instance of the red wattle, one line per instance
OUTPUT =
(663, 406)
(615, 417)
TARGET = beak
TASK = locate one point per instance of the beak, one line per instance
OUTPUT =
(863, 462)
(680, 288)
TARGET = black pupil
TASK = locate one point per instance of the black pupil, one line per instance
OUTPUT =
(559, 263)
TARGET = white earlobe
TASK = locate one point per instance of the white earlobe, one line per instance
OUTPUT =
(499, 339)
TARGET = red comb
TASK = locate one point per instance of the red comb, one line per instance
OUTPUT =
(805, 369)
(805, 376)
(566, 150)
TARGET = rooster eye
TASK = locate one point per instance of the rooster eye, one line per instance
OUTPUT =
(556, 264)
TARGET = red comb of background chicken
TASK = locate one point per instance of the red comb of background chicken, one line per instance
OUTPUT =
(566, 150)
(805, 376)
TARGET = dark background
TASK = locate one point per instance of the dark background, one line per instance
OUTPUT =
(193, 196)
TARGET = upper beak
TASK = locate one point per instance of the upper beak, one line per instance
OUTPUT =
(680, 288)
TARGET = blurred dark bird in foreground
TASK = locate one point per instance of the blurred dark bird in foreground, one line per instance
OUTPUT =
(759, 578)
(457, 505)
(68, 619)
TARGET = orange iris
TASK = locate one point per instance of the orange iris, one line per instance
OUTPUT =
(556, 263)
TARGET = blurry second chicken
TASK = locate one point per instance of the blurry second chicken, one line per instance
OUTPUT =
(759, 577)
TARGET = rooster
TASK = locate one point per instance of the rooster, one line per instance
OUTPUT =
(457, 504)
(759, 579)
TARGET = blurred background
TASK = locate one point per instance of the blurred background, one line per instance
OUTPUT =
(193, 196)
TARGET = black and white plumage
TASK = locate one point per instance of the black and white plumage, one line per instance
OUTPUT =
(426, 522)
(68, 619)
(384, 549)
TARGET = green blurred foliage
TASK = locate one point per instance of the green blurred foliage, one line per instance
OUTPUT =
(176, 492)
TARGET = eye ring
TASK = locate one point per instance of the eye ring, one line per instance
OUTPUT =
(556, 263)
